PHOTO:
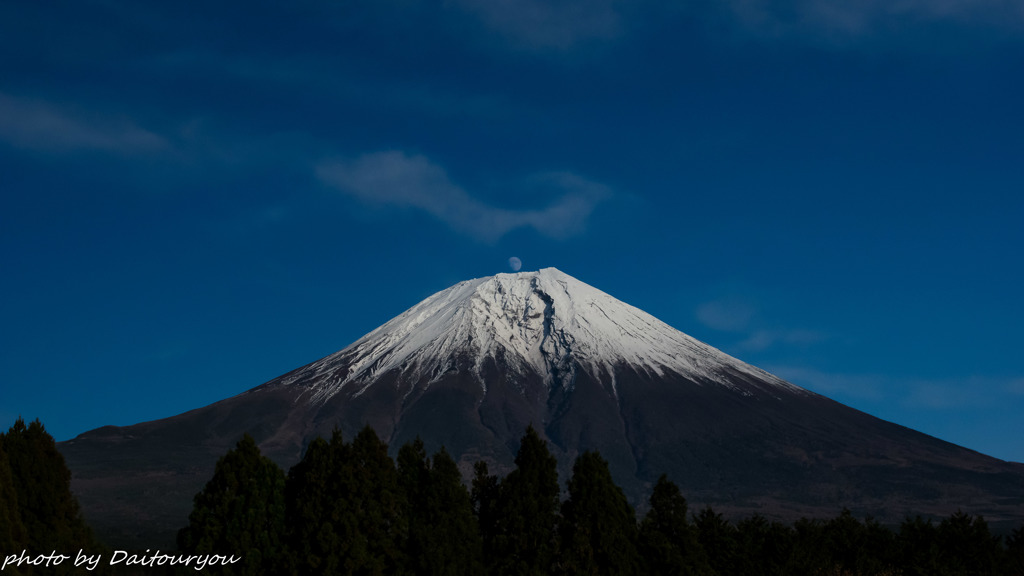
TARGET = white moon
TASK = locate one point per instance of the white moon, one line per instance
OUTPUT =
(515, 263)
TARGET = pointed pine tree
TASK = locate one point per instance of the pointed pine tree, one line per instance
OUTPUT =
(49, 513)
(599, 531)
(918, 547)
(967, 547)
(1015, 551)
(313, 510)
(240, 511)
(764, 547)
(12, 532)
(344, 509)
(881, 554)
(459, 549)
(374, 528)
(718, 539)
(485, 500)
(525, 542)
(852, 546)
(443, 535)
(414, 479)
(668, 542)
(811, 550)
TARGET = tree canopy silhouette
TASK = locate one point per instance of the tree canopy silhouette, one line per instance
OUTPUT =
(240, 511)
(599, 531)
(37, 509)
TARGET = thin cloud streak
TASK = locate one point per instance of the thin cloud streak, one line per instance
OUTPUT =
(1016, 387)
(858, 386)
(394, 178)
(954, 394)
(322, 75)
(43, 126)
(725, 315)
(945, 394)
(738, 317)
(540, 25)
(837, 20)
(968, 411)
(560, 27)
(764, 339)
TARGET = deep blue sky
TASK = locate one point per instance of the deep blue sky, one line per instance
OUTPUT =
(197, 197)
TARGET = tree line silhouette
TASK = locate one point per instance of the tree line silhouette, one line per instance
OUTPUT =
(349, 508)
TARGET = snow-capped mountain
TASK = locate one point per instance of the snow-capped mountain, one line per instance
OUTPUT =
(544, 322)
(472, 366)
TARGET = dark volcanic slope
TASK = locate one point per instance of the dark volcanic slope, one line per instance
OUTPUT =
(472, 366)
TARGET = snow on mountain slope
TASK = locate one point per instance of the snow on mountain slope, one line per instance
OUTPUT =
(546, 322)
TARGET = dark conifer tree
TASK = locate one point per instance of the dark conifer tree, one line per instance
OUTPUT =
(918, 547)
(414, 479)
(763, 547)
(485, 500)
(842, 545)
(375, 529)
(966, 547)
(240, 511)
(50, 518)
(344, 509)
(1015, 552)
(880, 554)
(413, 474)
(811, 554)
(668, 542)
(718, 539)
(313, 509)
(599, 531)
(443, 535)
(12, 532)
(845, 541)
(526, 539)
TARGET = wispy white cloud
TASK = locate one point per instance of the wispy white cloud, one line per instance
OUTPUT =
(727, 315)
(927, 394)
(942, 395)
(969, 411)
(951, 394)
(321, 74)
(858, 386)
(547, 24)
(839, 20)
(764, 339)
(398, 179)
(41, 125)
(563, 25)
(737, 316)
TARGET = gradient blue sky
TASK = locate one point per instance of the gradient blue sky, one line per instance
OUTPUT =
(196, 197)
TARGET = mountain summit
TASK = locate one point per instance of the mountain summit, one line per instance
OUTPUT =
(543, 323)
(472, 366)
